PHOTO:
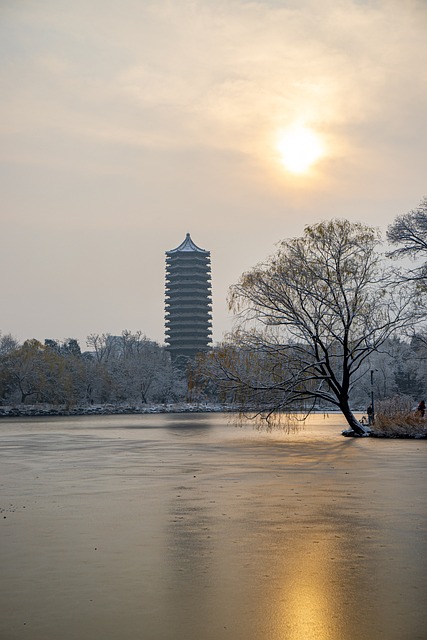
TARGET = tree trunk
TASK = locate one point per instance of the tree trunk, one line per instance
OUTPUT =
(143, 395)
(354, 424)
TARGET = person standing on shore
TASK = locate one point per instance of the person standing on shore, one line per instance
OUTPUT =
(422, 408)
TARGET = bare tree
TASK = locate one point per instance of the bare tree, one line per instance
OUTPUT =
(102, 346)
(308, 320)
(139, 364)
(7, 343)
(130, 368)
(409, 233)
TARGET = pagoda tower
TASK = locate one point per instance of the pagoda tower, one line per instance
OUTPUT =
(188, 301)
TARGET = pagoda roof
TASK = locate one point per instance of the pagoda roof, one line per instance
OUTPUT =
(187, 246)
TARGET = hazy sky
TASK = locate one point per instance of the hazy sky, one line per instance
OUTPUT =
(126, 124)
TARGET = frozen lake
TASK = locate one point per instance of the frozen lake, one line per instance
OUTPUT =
(185, 527)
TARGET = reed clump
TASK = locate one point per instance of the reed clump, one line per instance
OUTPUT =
(400, 425)
(396, 418)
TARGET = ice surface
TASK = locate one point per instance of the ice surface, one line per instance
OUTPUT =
(185, 527)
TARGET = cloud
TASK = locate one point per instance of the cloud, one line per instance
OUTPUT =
(221, 74)
(158, 117)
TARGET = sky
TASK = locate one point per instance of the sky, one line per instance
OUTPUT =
(125, 125)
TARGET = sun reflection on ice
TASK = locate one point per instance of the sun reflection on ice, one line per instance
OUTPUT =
(311, 594)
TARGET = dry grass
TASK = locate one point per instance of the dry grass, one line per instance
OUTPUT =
(401, 424)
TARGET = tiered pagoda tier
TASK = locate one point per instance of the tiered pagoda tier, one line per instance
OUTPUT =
(188, 305)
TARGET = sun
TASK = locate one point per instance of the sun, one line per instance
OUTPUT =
(299, 148)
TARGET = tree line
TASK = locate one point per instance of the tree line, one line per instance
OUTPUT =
(133, 370)
(128, 368)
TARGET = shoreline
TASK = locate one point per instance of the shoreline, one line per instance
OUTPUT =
(47, 411)
(32, 411)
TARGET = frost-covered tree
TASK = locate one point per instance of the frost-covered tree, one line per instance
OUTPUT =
(309, 319)
(7, 343)
(102, 346)
(132, 368)
(418, 358)
(138, 364)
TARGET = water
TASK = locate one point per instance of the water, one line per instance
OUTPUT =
(185, 527)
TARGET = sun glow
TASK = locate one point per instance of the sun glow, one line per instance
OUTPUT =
(299, 148)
